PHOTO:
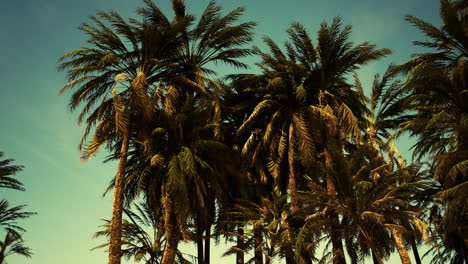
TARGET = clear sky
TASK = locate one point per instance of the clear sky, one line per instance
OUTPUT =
(38, 130)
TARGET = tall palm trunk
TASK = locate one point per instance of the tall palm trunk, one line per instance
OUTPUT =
(258, 250)
(240, 245)
(207, 245)
(173, 235)
(414, 247)
(400, 244)
(376, 258)
(115, 251)
(292, 177)
(200, 257)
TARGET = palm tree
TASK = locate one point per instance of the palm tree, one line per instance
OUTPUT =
(188, 121)
(386, 111)
(166, 156)
(13, 241)
(111, 80)
(6, 171)
(244, 184)
(13, 244)
(376, 208)
(10, 215)
(264, 228)
(449, 43)
(137, 243)
(437, 86)
(305, 98)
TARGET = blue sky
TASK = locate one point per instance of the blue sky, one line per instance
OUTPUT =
(39, 131)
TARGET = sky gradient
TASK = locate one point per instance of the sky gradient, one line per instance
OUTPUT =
(39, 131)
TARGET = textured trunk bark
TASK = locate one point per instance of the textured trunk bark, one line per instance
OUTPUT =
(170, 251)
(207, 245)
(115, 240)
(173, 235)
(240, 245)
(400, 244)
(414, 247)
(292, 177)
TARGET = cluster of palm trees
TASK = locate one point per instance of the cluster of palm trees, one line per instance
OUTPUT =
(12, 239)
(282, 163)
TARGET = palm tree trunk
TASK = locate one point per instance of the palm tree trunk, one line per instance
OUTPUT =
(240, 245)
(207, 245)
(414, 247)
(200, 257)
(173, 235)
(376, 258)
(292, 177)
(170, 251)
(115, 241)
(405, 259)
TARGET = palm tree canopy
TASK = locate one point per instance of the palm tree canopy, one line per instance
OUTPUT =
(6, 172)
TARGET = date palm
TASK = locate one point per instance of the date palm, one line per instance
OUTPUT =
(9, 216)
(305, 98)
(13, 244)
(137, 243)
(6, 172)
(264, 228)
(437, 86)
(170, 150)
(110, 81)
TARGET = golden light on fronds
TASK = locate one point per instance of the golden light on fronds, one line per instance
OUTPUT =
(121, 119)
(121, 77)
(171, 100)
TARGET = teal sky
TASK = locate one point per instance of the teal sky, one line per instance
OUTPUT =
(39, 131)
